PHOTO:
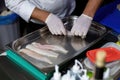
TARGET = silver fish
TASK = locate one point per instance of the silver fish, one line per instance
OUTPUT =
(35, 55)
(41, 51)
(50, 47)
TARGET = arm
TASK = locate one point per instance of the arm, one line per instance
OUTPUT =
(82, 24)
(39, 14)
(92, 7)
(28, 11)
(21, 7)
(54, 24)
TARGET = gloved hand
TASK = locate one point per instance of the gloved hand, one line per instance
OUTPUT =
(81, 26)
(55, 25)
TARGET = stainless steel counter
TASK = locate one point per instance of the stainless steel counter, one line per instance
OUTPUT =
(75, 45)
(11, 71)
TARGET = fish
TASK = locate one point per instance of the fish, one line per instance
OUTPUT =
(35, 55)
(50, 47)
(41, 51)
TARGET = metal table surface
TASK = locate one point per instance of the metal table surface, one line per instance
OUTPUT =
(11, 71)
(74, 45)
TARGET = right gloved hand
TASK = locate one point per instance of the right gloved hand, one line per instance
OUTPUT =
(55, 25)
(81, 26)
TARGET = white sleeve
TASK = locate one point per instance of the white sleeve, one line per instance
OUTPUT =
(21, 7)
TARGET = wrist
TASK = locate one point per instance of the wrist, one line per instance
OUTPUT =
(89, 17)
(48, 17)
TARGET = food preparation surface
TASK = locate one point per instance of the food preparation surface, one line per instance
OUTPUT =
(74, 45)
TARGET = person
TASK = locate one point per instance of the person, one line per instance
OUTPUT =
(51, 12)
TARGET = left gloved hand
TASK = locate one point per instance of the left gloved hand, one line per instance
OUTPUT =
(55, 25)
(81, 26)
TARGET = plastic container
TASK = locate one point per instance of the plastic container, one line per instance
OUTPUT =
(57, 74)
(114, 69)
(113, 54)
(111, 44)
(112, 50)
(9, 29)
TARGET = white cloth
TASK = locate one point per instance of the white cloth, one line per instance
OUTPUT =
(24, 8)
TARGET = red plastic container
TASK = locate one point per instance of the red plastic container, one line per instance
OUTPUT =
(112, 54)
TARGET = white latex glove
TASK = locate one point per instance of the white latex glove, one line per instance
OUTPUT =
(81, 26)
(55, 25)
